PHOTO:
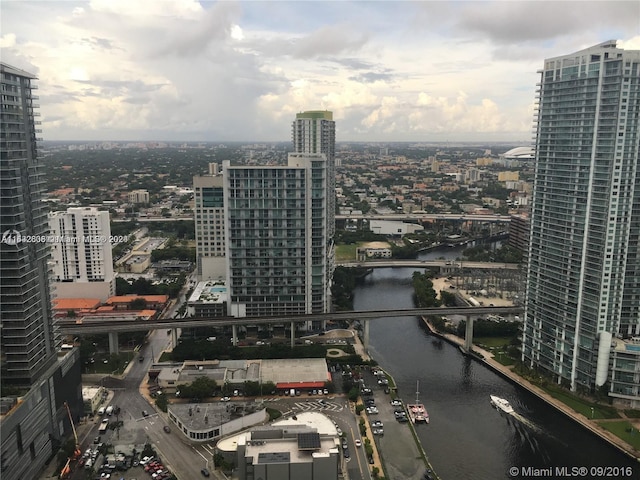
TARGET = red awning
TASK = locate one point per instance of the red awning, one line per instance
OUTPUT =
(284, 385)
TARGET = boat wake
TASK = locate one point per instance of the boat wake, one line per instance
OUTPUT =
(525, 421)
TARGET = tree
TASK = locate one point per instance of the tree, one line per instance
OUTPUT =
(199, 389)
(162, 402)
(353, 394)
(138, 304)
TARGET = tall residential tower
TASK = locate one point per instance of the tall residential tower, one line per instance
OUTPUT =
(276, 237)
(29, 340)
(583, 281)
(83, 263)
(35, 379)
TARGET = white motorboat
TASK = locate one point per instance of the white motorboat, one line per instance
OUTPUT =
(501, 403)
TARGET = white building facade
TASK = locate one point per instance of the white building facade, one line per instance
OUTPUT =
(81, 253)
(209, 222)
(583, 279)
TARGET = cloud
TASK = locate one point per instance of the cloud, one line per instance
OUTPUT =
(184, 69)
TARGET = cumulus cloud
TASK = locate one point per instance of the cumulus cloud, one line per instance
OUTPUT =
(184, 69)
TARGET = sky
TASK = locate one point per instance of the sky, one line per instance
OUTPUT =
(183, 70)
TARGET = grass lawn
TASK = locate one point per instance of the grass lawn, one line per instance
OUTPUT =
(115, 364)
(492, 341)
(503, 358)
(586, 408)
(621, 429)
(346, 252)
(632, 413)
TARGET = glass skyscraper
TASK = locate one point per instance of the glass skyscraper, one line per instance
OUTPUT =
(29, 340)
(37, 379)
(583, 279)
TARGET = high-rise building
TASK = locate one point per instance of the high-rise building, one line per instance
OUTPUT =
(209, 202)
(82, 259)
(314, 131)
(36, 380)
(277, 237)
(583, 279)
(29, 340)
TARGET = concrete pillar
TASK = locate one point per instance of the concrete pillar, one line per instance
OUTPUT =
(468, 334)
(113, 343)
(234, 335)
(365, 335)
(174, 337)
(293, 334)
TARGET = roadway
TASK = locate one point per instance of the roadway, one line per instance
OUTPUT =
(369, 216)
(430, 263)
(71, 327)
(428, 217)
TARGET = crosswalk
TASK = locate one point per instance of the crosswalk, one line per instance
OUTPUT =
(318, 407)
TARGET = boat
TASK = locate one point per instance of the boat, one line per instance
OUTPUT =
(417, 412)
(501, 404)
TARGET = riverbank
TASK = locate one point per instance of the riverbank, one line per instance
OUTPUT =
(486, 358)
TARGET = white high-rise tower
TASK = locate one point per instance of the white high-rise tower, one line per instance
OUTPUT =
(583, 279)
(83, 259)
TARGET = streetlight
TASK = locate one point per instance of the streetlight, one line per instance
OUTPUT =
(592, 412)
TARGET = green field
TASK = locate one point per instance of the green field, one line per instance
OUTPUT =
(346, 252)
(586, 408)
(492, 341)
(115, 364)
(625, 431)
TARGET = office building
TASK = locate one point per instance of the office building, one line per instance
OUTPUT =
(81, 254)
(138, 196)
(209, 222)
(35, 379)
(276, 236)
(583, 279)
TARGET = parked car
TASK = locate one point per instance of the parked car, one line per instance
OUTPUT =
(166, 429)
(205, 472)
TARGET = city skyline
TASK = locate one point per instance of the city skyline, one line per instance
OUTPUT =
(202, 71)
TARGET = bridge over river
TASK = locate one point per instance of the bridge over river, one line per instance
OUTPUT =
(114, 326)
(443, 264)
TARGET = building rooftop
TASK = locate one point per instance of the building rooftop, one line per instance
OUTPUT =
(76, 303)
(204, 416)
(210, 291)
(281, 371)
(306, 422)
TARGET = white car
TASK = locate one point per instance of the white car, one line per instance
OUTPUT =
(225, 399)
(358, 443)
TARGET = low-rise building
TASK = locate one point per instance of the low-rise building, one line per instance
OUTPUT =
(387, 227)
(209, 299)
(307, 371)
(92, 398)
(625, 372)
(306, 446)
(205, 422)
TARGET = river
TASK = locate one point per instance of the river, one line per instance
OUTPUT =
(468, 439)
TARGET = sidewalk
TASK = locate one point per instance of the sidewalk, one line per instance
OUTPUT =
(488, 360)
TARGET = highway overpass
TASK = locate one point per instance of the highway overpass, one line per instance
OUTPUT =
(493, 218)
(113, 327)
(453, 264)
